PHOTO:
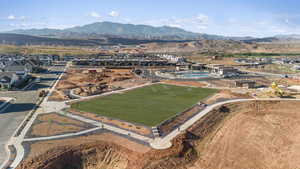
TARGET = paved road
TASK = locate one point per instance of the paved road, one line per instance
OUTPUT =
(25, 101)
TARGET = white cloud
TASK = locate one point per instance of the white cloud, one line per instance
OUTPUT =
(202, 27)
(194, 23)
(114, 14)
(175, 25)
(11, 17)
(23, 17)
(202, 19)
(38, 25)
(94, 15)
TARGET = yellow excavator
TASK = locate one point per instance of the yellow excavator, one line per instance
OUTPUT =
(277, 91)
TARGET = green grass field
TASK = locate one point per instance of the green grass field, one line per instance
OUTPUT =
(149, 105)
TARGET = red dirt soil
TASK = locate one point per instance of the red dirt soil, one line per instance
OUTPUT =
(260, 135)
(185, 83)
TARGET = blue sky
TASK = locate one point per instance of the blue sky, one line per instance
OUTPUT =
(224, 17)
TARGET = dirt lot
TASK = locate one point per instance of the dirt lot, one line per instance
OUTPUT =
(54, 124)
(210, 60)
(97, 151)
(86, 82)
(274, 68)
(126, 125)
(185, 83)
(226, 95)
(260, 135)
(248, 135)
(43, 146)
(288, 81)
(230, 83)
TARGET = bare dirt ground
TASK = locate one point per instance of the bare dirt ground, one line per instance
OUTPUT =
(287, 81)
(221, 83)
(185, 83)
(226, 95)
(44, 146)
(230, 83)
(96, 152)
(86, 82)
(210, 60)
(274, 68)
(122, 124)
(260, 135)
(54, 124)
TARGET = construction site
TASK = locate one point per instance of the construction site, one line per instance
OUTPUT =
(128, 117)
(84, 82)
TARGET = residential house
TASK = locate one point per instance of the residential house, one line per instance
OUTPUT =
(20, 70)
(8, 79)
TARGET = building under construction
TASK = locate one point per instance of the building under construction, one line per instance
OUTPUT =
(122, 62)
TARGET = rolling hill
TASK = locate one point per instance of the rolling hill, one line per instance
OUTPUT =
(21, 39)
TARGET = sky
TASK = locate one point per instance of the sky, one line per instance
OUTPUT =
(258, 18)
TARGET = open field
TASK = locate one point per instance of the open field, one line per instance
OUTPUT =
(275, 68)
(51, 50)
(149, 105)
(55, 124)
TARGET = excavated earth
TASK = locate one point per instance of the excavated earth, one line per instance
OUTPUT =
(248, 135)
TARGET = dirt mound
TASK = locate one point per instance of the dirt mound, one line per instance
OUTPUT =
(101, 154)
(260, 135)
(87, 156)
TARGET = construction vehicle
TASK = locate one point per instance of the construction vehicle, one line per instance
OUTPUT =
(43, 93)
(276, 90)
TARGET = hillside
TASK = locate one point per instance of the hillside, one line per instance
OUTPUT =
(19, 39)
(102, 29)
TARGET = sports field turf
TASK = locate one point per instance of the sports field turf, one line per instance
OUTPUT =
(149, 105)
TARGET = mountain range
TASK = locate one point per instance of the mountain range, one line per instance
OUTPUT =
(117, 33)
(111, 29)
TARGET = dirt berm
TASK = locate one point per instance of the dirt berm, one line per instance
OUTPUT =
(103, 155)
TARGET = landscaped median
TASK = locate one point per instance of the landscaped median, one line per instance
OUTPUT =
(148, 106)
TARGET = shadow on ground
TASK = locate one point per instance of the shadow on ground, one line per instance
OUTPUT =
(18, 107)
(37, 87)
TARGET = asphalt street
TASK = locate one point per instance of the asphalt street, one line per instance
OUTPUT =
(14, 114)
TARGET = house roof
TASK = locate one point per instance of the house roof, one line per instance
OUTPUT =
(14, 68)
(6, 77)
